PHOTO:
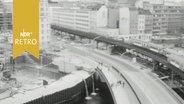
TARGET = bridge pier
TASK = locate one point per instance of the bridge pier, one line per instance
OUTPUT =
(97, 44)
(155, 65)
(109, 48)
(118, 49)
(106, 46)
(89, 40)
(171, 79)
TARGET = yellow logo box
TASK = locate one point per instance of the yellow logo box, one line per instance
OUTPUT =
(26, 27)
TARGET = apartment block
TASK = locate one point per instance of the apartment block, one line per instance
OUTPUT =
(166, 18)
(86, 19)
(128, 22)
(145, 22)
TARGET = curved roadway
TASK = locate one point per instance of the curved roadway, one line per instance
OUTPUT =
(149, 89)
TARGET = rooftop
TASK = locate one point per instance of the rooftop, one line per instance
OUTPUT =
(92, 7)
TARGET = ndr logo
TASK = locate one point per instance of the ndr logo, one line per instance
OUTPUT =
(25, 34)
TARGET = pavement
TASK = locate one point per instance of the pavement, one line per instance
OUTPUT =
(121, 90)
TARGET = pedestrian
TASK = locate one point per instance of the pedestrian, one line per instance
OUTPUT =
(112, 84)
(119, 82)
(123, 84)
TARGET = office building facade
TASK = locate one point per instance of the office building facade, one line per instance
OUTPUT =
(128, 22)
(166, 18)
(145, 22)
(83, 19)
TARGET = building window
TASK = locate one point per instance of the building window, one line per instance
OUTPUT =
(42, 20)
(42, 25)
(42, 31)
(42, 9)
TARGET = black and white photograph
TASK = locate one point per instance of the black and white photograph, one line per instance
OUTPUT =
(96, 52)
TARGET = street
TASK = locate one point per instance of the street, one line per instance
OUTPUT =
(149, 89)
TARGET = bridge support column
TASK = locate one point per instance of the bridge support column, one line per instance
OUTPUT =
(118, 49)
(172, 78)
(155, 65)
(106, 46)
(109, 48)
(97, 43)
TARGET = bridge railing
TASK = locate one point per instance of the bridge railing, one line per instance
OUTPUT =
(108, 84)
(128, 84)
(172, 92)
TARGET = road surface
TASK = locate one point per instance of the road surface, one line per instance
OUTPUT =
(149, 88)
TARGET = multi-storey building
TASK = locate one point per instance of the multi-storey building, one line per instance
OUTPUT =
(166, 18)
(113, 17)
(121, 3)
(145, 22)
(86, 19)
(128, 25)
(118, 22)
(128, 22)
(175, 15)
(5, 15)
(44, 24)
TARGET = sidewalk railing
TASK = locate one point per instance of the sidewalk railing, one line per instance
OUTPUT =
(128, 84)
(107, 82)
(174, 94)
